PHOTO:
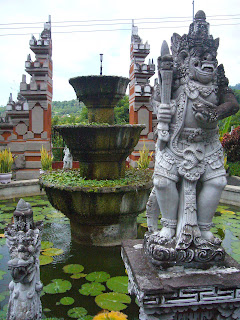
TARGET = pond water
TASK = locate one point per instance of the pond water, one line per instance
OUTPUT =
(101, 263)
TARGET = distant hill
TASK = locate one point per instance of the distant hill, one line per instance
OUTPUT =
(61, 108)
(236, 87)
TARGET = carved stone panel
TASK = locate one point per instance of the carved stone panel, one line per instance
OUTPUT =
(143, 118)
(21, 128)
(37, 119)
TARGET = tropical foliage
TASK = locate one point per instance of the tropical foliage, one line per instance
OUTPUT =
(6, 161)
(145, 158)
(231, 145)
(46, 159)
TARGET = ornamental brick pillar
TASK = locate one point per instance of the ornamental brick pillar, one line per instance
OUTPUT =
(140, 110)
(27, 123)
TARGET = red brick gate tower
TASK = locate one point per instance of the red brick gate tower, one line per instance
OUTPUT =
(27, 123)
(140, 110)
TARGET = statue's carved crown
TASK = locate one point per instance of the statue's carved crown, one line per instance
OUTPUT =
(197, 37)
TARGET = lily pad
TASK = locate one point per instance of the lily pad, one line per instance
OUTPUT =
(67, 301)
(2, 297)
(2, 273)
(46, 245)
(112, 301)
(77, 312)
(118, 284)
(78, 275)
(1, 256)
(221, 233)
(73, 268)
(57, 286)
(2, 241)
(92, 289)
(8, 209)
(98, 276)
(52, 252)
(45, 260)
(87, 317)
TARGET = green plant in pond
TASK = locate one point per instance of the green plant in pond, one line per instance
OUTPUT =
(6, 161)
(92, 289)
(2, 273)
(98, 276)
(57, 286)
(44, 260)
(67, 301)
(113, 315)
(113, 301)
(52, 252)
(46, 159)
(118, 284)
(73, 268)
(77, 312)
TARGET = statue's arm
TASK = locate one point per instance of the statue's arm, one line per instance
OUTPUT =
(228, 104)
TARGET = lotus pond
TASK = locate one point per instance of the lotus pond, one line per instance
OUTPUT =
(80, 281)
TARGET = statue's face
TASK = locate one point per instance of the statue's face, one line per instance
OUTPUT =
(22, 263)
(203, 66)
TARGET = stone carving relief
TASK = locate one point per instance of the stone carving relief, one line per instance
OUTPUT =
(24, 243)
(191, 96)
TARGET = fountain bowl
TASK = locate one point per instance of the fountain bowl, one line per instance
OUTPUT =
(101, 216)
(101, 149)
(100, 94)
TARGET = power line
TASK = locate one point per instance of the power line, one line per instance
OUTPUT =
(110, 24)
(111, 30)
(105, 20)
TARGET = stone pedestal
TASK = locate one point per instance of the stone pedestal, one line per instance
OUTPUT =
(181, 293)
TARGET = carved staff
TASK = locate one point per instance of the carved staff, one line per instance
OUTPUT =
(165, 70)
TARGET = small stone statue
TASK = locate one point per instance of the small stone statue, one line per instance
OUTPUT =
(24, 243)
(189, 176)
(67, 159)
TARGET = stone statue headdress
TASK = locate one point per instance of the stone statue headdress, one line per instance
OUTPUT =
(197, 41)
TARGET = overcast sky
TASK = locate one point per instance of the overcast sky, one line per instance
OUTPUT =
(77, 53)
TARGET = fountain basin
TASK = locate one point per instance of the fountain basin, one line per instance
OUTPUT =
(101, 216)
(101, 149)
(100, 94)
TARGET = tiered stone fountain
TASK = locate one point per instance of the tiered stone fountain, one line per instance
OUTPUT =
(106, 215)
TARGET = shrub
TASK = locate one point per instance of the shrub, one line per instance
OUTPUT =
(145, 158)
(46, 159)
(231, 145)
(6, 161)
(234, 168)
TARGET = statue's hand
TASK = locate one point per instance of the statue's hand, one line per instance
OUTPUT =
(201, 117)
(164, 113)
(204, 113)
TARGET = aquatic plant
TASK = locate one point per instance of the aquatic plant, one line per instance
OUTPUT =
(113, 315)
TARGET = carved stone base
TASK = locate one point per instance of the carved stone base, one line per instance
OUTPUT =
(165, 253)
(181, 293)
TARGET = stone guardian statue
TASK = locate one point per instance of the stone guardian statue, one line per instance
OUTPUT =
(189, 175)
(24, 243)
